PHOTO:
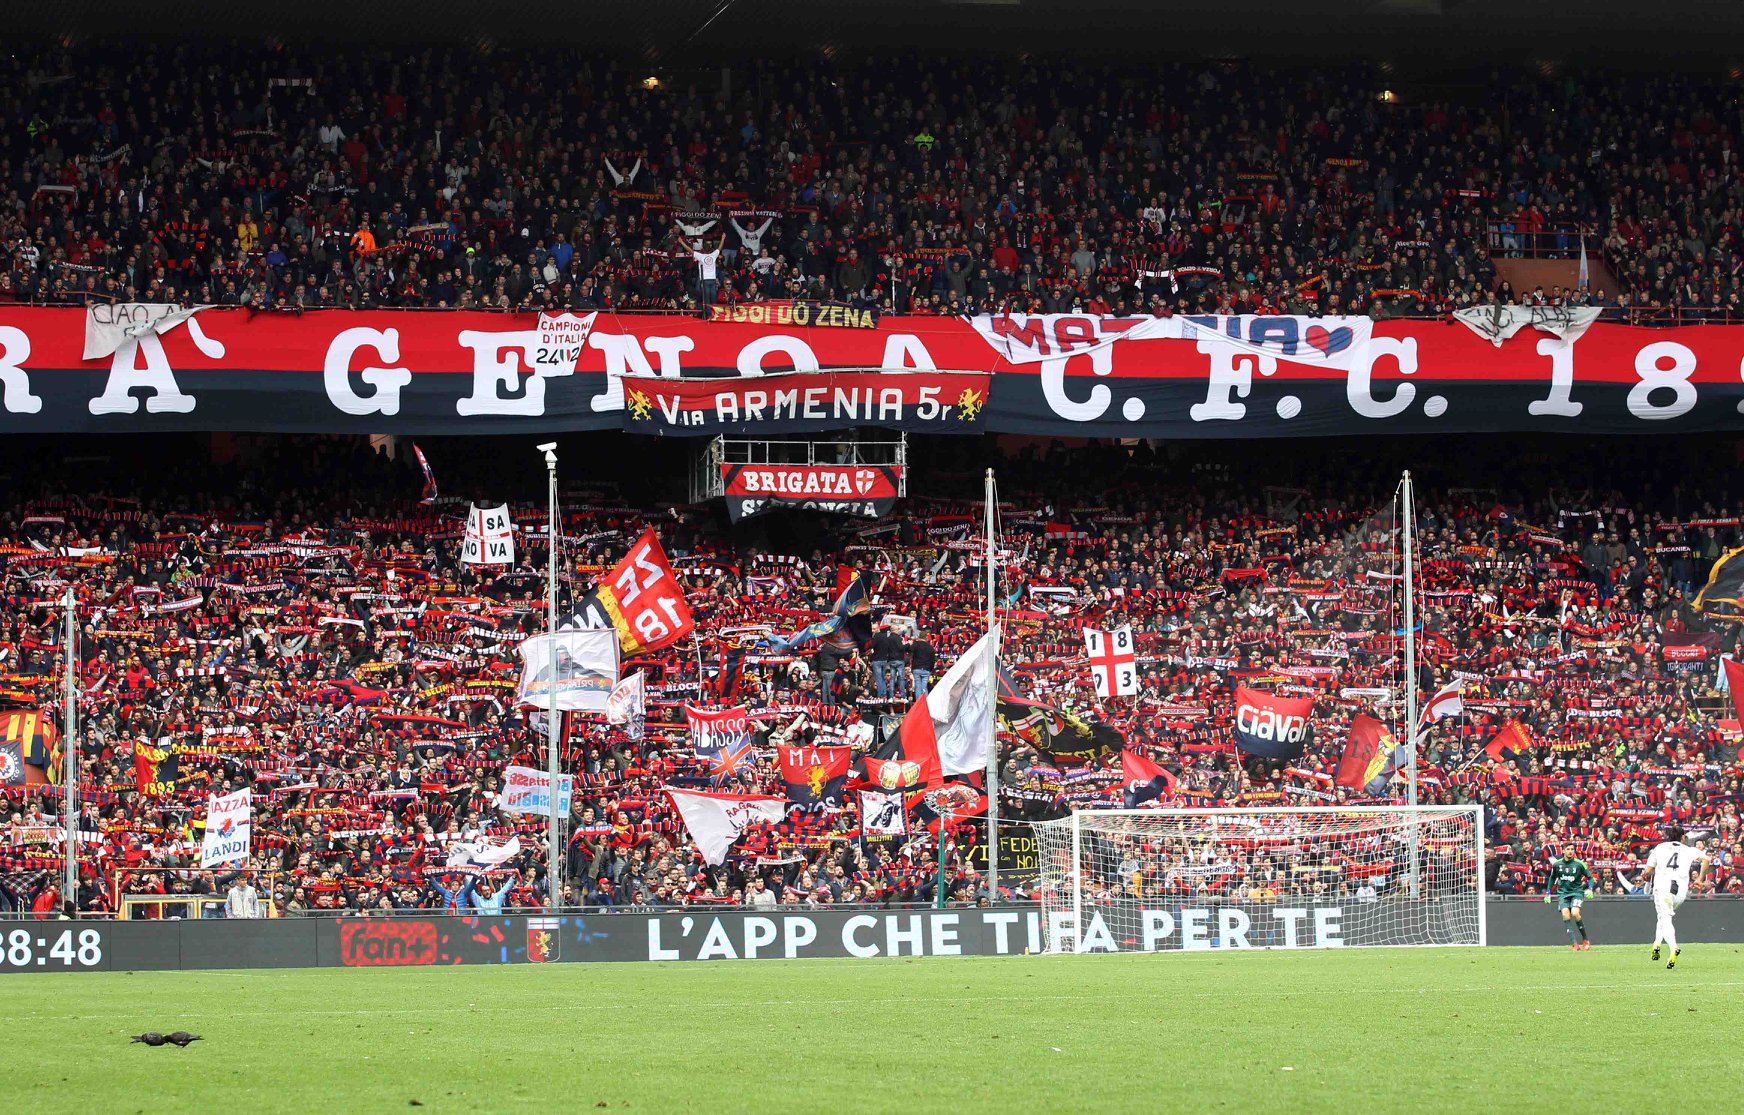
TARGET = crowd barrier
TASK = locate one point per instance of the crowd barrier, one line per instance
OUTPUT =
(700, 934)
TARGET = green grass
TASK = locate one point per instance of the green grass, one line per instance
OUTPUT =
(1355, 1030)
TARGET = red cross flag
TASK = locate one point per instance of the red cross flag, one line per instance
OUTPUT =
(1113, 661)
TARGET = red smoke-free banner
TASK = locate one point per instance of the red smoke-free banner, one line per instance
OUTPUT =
(1056, 375)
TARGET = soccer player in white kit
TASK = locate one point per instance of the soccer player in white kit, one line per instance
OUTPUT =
(1669, 866)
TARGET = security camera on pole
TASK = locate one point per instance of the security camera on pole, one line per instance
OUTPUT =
(553, 876)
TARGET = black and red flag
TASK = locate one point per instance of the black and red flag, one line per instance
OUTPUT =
(1511, 744)
(1143, 779)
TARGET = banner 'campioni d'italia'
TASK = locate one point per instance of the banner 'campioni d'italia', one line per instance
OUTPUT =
(868, 490)
(802, 402)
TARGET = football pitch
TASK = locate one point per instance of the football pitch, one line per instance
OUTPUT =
(1344, 1030)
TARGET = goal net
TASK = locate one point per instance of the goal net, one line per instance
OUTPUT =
(1167, 879)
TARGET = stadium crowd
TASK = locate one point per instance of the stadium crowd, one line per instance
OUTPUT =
(295, 621)
(294, 179)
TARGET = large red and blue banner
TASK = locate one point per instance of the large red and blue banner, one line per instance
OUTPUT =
(1055, 375)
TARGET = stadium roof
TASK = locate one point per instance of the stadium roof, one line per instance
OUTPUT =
(1676, 33)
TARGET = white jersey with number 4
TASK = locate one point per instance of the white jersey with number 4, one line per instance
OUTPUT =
(1672, 863)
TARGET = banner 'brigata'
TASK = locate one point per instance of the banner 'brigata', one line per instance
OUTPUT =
(868, 490)
(1057, 375)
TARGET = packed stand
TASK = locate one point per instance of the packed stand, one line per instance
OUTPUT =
(519, 181)
(315, 638)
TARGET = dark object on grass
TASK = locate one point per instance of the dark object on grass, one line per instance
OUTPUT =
(153, 1038)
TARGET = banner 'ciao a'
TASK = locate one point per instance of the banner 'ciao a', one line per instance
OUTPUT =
(130, 368)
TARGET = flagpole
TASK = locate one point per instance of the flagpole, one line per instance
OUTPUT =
(553, 767)
(70, 751)
(992, 711)
(1410, 515)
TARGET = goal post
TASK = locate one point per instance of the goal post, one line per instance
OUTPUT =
(1154, 880)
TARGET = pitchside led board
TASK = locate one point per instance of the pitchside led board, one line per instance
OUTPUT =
(162, 369)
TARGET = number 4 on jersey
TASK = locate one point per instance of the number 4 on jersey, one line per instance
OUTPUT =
(1113, 661)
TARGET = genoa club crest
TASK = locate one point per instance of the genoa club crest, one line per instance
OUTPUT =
(542, 940)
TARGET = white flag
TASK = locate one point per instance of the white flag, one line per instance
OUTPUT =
(1449, 700)
(716, 820)
(528, 790)
(228, 820)
(1113, 661)
(882, 814)
(959, 708)
(1585, 278)
(490, 537)
(628, 700)
(583, 664)
(483, 853)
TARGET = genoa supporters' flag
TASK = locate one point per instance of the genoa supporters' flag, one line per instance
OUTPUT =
(815, 776)
(713, 731)
(882, 814)
(959, 799)
(947, 731)
(1449, 700)
(847, 627)
(1144, 780)
(1723, 595)
(1511, 744)
(644, 599)
(429, 493)
(1370, 756)
(732, 672)
(156, 768)
(1270, 726)
(32, 731)
(894, 773)
(714, 821)
(1735, 685)
(11, 764)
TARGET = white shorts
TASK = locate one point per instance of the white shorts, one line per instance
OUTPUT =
(1667, 903)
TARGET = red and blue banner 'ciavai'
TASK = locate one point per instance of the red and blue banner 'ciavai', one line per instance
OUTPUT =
(1270, 726)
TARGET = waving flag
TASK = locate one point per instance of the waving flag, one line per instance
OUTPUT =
(1113, 661)
(1723, 595)
(227, 829)
(882, 814)
(1144, 780)
(582, 666)
(429, 494)
(627, 704)
(1270, 726)
(847, 627)
(1734, 677)
(1371, 754)
(713, 730)
(815, 776)
(1449, 700)
(1511, 744)
(155, 768)
(947, 731)
(722, 736)
(715, 821)
(11, 764)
